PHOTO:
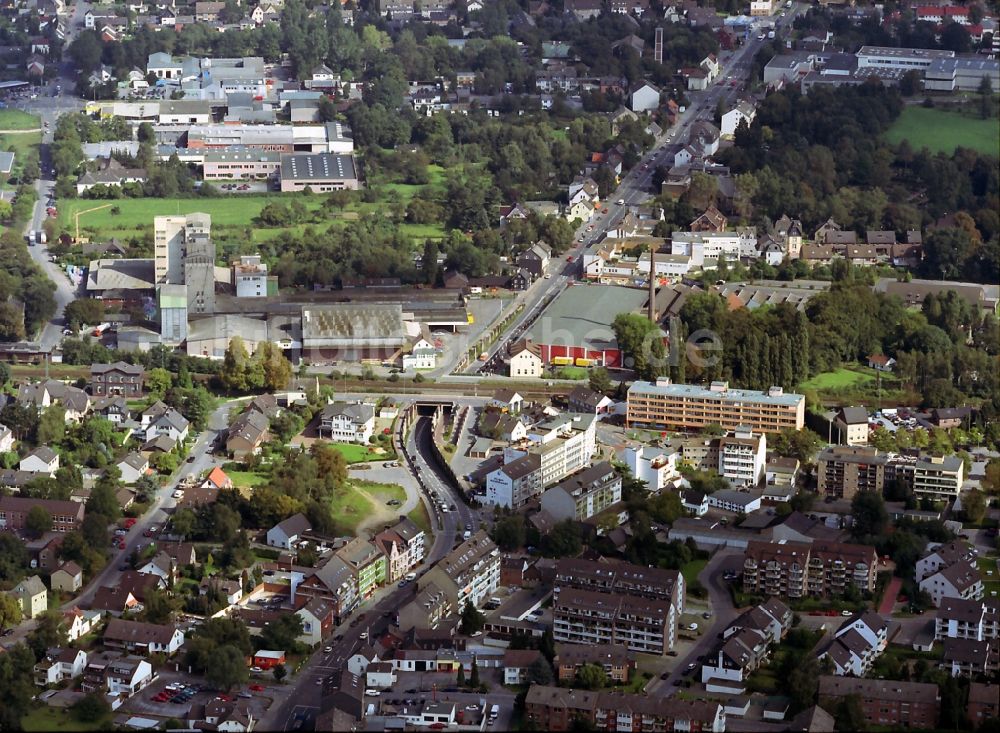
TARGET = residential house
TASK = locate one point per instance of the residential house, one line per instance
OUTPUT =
(743, 112)
(247, 434)
(468, 574)
(694, 502)
(535, 259)
(113, 409)
(110, 173)
(128, 675)
(67, 578)
(711, 220)
(501, 426)
(742, 456)
(507, 400)
(161, 565)
(738, 502)
(958, 618)
(32, 595)
(526, 360)
(41, 460)
(161, 421)
(367, 564)
(969, 658)
(739, 656)
(80, 623)
(118, 379)
(644, 98)
(959, 580)
(217, 479)
(881, 362)
(983, 703)
(60, 665)
(318, 621)
(144, 638)
(852, 425)
(587, 401)
(6, 439)
(857, 644)
(348, 422)
(518, 664)
(288, 531)
(133, 467)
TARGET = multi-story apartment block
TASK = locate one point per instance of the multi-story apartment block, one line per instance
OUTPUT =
(958, 618)
(798, 569)
(857, 644)
(938, 477)
(366, 562)
(742, 456)
(656, 466)
(615, 659)
(588, 617)
(516, 482)
(620, 577)
(844, 470)
(959, 580)
(404, 548)
(686, 406)
(940, 556)
(552, 451)
(67, 516)
(584, 494)
(469, 573)
(172, 236)
(116, 379)
(888, 703)
(561, 709)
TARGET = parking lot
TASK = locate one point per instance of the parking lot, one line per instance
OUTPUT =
(173, 695)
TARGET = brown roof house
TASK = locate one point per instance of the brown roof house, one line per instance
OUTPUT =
(135, 636)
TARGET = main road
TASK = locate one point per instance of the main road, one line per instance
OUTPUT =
(634, 189)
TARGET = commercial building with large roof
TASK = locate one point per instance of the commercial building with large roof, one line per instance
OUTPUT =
(318, 171)
(577, 324)
(352, 331)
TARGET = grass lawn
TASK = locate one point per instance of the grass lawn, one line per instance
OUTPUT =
(691, 570)
(837, 379)
(991, 583)
(15, 119)
(364, 502)
(44, 718)
(572, 372)
(247, 479)
(354, 453)
(420, 517)
(21, 143)
(942, 131)
(137, 213)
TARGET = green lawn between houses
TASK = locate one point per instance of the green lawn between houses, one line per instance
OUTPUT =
(354, 453)
(360, 501)
(43, 718)
(942, 131)
(15, 119)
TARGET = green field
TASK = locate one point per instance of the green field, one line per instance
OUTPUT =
(247, 479)
(420, 517)
(942, 131)
(838, 379)
(44, 718)
(691, 570)
(20, 143)
(137, 213)
(364, 502)
(15, 119)
(354, 453)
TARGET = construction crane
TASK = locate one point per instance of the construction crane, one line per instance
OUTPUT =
(76, 218)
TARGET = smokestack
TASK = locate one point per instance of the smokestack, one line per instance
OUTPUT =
(651, 309)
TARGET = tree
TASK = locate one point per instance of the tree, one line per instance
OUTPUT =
(428, 262)
(638, 339)
(472, 619)
(10, 611)
(52, 425)
(991, 481)
(4, 374)
(235, 363)
(282, 633)
(474, 677)
(228, 668)
(460, 677)
(973, 505)
(92, 708)
(279, 672)
(103, 501)
(159, 381)
(277, 369)
(84, 312)
(870, 516)
(802, 681)
(540, 672)
(600, 380)
(563, 541)
(509, 532)
(848, 714)
(38, 521)
(591, 677)
(49, 632)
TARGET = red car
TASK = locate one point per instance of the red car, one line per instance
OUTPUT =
(256, 688)
(224, 698)
(121, 544)
(129, 523)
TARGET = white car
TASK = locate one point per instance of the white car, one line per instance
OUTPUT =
(692, 627)
(411, 576)
(372, 693)
(178, 494)
(363, 636)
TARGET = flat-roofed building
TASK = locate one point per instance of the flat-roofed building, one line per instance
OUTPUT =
(938, 477)
(687, 406)
(319, 172)
(588, 617)
(742, 455)
(899, 58)
(352, 331)
(843, 470)
(240, 163)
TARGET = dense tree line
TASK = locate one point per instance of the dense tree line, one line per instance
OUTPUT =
(821, 155)
(946, 351)
(26, 293)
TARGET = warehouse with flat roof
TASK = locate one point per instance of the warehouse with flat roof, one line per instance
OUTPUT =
(576, 327)
(320, 172)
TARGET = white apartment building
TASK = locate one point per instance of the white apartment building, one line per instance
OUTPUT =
(938, 477)
(958, 618)
(656, 466)
(705, 248)
(742, 457)
(171, 237)
(348, 423)
(516, 482)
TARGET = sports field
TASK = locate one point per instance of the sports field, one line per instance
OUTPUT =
(942, 131)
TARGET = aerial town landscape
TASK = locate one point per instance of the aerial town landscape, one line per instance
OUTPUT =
(495, 365)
